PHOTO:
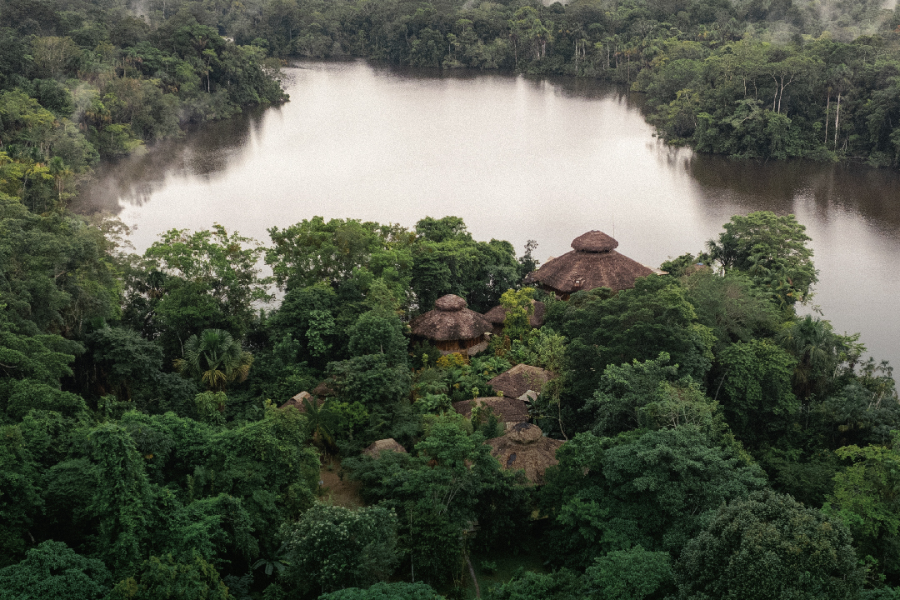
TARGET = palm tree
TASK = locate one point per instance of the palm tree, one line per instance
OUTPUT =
(215, 358)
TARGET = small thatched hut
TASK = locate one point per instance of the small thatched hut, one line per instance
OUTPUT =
(386, 444)
(525, 447)
(297, 401)
(453, 327)
(592, 263)
(520, 379)
(497, 316)
(509, 411)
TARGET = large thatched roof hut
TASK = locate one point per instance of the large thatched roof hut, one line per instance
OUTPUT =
(381, 445)
(509, 411)
(497, 316)
(517, 381)
(525, 447)
(453, 327)
(592, 263)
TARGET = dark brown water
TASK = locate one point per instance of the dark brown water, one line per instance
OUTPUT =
(518, 159)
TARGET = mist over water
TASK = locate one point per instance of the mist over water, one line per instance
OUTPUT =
(518, 159)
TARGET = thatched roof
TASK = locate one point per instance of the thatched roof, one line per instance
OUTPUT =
(525, 447)
(297, 401)
(497, 315)
(593, 263)
(450, 320)
(387, 444)
(520, 379)
(507, 410)
(325, 388)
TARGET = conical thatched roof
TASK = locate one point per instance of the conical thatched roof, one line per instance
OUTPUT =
(593, 263)
(525, 447)
(497, 315)
(507, 410)
(386, 444)
(450, 320)
(520, 379)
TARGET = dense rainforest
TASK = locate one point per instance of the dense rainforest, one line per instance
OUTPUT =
(719, 441)
(719, 444)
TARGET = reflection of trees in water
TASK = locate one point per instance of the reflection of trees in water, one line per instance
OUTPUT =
(777, 186)
(205, 152)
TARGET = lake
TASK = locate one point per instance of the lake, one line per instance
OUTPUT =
(518, 159)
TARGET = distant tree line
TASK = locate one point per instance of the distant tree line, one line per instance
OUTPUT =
(738, 77)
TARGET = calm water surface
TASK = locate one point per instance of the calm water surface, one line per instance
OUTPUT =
(518, 159)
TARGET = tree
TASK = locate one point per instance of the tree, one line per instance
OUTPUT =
(768, 546)
(449, 482)
(732, 306)
(378, 332)
(756, 387)
(167, 579)
(865, 500)
(214, 358)
(386, 591)
(332, 547)
(655, 488)
(635, 324)
(210, 280)
(633, 574)
(53, 569)
(772, 250)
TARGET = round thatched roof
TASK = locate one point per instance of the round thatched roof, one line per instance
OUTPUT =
(497, 315)
(507, 410)
(450, 303)
(520, 379)
(450, 320)
(594, 241)
(588, 268)
(525, 447)
(386, 444)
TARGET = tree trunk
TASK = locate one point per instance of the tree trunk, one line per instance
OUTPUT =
(474, 579)
(827, 111)
(837, 121)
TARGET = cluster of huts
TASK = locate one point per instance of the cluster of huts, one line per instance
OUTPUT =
(452, 327)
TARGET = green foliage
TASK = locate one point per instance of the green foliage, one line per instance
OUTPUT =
(864, 499)
(214, 358)
(731, 306)
(167, 579)
(633, 574)
(770, 249)
(332, 547)
(446, 260)
(377, 332)
(334, 252)
(59, 272)
(518, 310)
(655, 489)
(635, 324)
(53, 569)
(561, 585)
(756, 388)
(449, 481)
(209, 280)
(769, 546)
(386, 591)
